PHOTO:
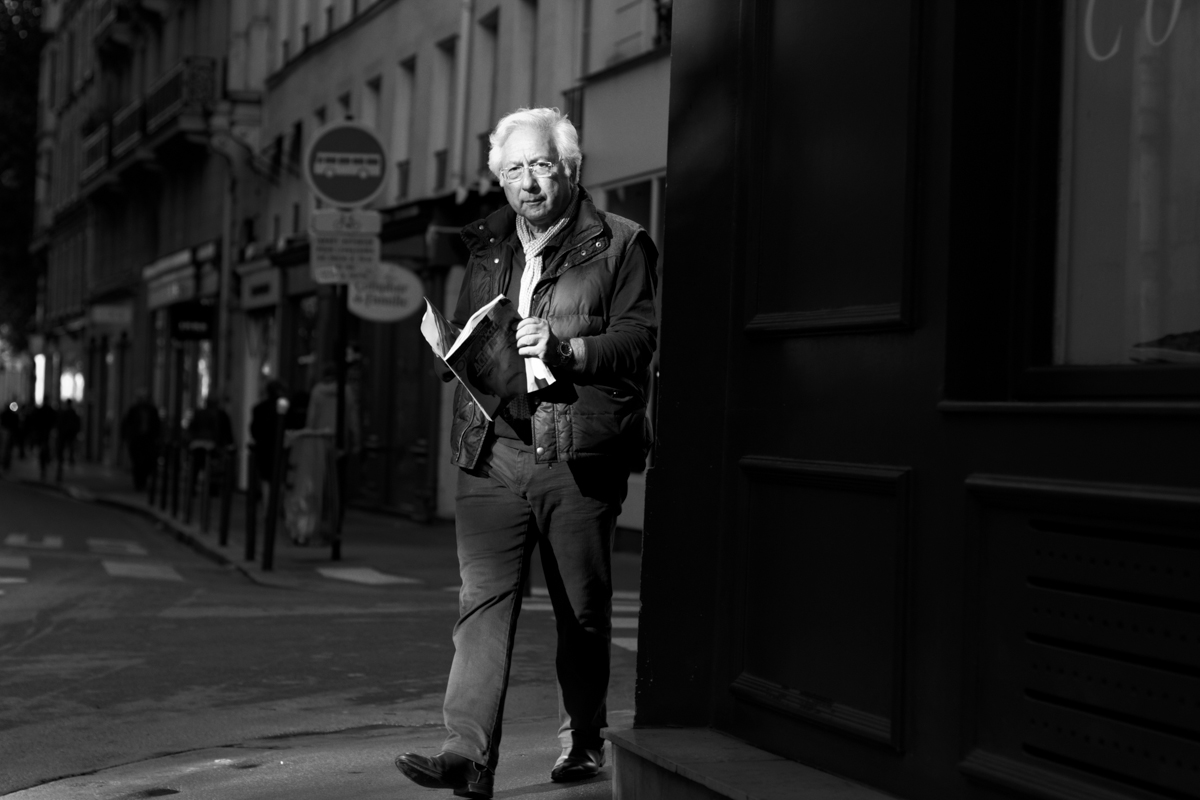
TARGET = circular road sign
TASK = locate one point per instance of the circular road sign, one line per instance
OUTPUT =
(346, 164)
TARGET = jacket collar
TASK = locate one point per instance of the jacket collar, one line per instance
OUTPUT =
(483, 234)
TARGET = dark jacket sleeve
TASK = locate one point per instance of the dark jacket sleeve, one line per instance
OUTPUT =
(627, 345)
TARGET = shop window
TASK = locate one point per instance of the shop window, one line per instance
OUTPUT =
(1128, 272)
(1075, 213)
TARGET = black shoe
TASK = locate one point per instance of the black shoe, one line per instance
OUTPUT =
(577, 764)
(447, 771)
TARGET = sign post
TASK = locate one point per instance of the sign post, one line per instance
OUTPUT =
(345, 165)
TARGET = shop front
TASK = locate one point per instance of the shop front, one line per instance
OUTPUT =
(181, 291)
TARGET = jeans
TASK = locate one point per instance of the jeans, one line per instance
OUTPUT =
(504, 507)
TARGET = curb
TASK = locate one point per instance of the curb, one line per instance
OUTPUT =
(183, 533)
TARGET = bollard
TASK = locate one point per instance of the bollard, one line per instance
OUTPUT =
(268, 562)
(252, 489)
(154, 479)
(335, 546)
(165, 477)
(189, 485)
(206, 479)
(176, 478)
(230, 476)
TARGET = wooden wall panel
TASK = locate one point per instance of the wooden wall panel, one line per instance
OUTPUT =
(823, 618)
(831, 167)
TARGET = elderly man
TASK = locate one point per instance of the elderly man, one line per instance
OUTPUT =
(553, 467)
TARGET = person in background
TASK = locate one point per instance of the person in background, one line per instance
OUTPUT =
(10, 423)
(42, 423)
(262, 431)
(68, 434)
(141, 428)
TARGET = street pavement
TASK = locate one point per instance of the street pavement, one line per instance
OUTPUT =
(326, 761)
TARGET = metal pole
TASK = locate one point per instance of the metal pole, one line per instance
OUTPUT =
(281, 409)
(335, 553)
(228, 474)
(206, 489)
(252, 489)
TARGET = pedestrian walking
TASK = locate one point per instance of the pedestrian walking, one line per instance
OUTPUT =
(141, 428)
(67, 434)
(209, 435)
(42, 423)
(10, 423)
(553, 467)
(263, 423)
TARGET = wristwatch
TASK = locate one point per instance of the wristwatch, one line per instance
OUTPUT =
(566, 356)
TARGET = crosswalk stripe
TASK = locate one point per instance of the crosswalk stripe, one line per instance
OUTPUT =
(23, 540)
(118, 547)
(625, 622)
(626, 642)
(367, 575)
(14, 562)
(140, 569)
(13, 580)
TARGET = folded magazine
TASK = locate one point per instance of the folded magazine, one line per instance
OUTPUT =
(483, 356)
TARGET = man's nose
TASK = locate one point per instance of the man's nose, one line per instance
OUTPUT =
(528, 182)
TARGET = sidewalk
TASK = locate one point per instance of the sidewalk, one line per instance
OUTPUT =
(376, 548)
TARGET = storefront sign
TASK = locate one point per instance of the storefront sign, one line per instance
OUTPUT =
(343, 257)
(192, 321)
(394, 293)
(175, 289)
(119, 316)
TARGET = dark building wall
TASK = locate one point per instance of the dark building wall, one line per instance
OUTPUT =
(921, 534)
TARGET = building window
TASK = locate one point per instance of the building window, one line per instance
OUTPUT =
(402, 179)
(403, 114)
(369, 115)
(1128, 267)
(440, 163)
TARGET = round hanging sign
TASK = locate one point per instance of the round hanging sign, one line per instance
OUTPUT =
(395, 293)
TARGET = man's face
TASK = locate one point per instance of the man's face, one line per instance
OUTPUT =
(541, 201)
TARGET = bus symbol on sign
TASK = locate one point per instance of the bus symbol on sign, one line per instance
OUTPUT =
(345, 165)
(356, 164)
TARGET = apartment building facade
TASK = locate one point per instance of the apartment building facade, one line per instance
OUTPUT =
(141, 101)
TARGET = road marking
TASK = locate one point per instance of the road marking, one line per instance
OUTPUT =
(14, 562)
(23, 540)
(625, 622)
(626, 642)
(14, 580)
(623, 595)
(116, 547)
(367, 575)
(132, 569)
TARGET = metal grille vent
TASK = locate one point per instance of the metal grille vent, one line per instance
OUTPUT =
(1112, 654)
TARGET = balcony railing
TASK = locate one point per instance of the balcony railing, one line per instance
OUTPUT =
(112, 30)
(95, 153)
(127, 129)
(189, 88)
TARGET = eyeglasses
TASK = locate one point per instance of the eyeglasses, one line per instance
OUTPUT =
(539, 169)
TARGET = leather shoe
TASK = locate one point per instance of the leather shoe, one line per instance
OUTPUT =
(577, 764)
(447, 771)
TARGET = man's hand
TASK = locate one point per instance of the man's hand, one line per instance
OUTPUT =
(534, 339)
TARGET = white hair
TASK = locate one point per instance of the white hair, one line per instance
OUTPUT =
(550, 121)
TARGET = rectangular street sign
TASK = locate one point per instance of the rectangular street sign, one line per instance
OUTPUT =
(343, 257)
(332, 220)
